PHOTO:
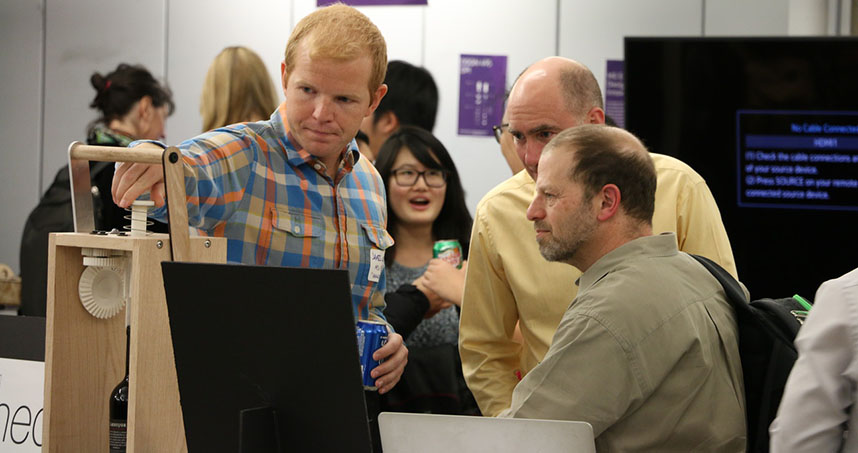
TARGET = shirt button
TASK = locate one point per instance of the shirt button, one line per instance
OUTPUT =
(296, 229)
(318, 167)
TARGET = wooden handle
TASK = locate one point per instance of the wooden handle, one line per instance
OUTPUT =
(80, 183)
(146, 153)
(177, 204)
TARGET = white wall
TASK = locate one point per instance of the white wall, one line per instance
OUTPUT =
(62, 42)
(741, 17)
(402, 27)
(20, 119)
(190, 52)
(481, 27)
(593, 46)
(82, 37)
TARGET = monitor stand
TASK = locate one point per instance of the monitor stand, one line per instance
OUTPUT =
(259, 430)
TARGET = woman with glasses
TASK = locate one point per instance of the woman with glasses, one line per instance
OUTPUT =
(425, 203)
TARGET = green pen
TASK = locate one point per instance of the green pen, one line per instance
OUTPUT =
(804, 303)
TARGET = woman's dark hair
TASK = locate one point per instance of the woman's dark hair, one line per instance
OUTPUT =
(454, 221)
(119, 90)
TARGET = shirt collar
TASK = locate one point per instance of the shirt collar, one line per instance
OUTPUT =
(299, 156)
(661, 245)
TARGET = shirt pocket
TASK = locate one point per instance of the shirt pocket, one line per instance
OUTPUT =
(378, 237)
(297, 236)
(374, 241)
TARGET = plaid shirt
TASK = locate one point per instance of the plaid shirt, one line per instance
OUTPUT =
(276, 205)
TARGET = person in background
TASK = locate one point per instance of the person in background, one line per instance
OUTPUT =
(508, 281)
(411, 100)
(363, 145)
(648, 351)
(131, 105)
(237, 89)
(507, 145)
(818, 411)
(426, 203)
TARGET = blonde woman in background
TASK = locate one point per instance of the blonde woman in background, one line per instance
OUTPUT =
(237, 89)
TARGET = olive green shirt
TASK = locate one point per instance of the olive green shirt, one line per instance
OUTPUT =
(647, 353)
(508, 281)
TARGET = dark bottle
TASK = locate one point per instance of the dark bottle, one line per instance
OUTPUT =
(119, 406)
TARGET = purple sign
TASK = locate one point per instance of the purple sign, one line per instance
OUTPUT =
(482, 82)
(371, 2)
(615, 92)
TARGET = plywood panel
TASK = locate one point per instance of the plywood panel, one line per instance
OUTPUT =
(84, 355)
(84, 360)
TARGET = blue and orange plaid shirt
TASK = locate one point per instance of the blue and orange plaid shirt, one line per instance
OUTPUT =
(276, 205)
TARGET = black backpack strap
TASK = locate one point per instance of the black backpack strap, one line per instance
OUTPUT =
(734, 291)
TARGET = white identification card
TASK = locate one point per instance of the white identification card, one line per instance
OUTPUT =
(376, 264)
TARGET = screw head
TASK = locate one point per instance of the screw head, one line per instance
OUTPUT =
(159, 244)
(207, 243)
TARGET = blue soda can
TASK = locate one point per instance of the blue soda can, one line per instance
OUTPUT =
(371, 335)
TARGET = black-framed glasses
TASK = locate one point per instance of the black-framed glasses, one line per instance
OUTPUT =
(498, 130)
(407, 177)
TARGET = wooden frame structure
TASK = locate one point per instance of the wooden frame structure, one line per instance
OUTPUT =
(84, 355)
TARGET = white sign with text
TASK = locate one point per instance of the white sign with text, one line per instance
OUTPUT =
(21, 405)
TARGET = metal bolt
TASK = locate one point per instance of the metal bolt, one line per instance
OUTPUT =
(159, 244)
(207, 243)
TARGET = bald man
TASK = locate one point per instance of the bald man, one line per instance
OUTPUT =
(507, 145)
(508, 281)
(647, 353)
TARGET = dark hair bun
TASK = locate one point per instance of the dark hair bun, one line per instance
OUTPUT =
(98, 81)
(118, 91)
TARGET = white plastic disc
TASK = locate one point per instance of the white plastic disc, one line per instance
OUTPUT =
(101, 291)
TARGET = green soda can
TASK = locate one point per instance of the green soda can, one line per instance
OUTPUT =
(448, 250)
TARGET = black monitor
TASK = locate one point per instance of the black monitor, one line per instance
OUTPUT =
(266, 356)
(772, 125)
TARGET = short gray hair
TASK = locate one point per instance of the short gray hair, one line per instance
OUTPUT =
(609, 155)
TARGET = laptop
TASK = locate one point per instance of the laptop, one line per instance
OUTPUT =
(266, 358)
(425, 433)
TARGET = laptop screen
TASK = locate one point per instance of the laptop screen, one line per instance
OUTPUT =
(247, 337)
(431, 433)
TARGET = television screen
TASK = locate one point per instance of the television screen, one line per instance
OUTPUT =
(772, 125)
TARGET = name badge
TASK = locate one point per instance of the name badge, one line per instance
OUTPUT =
(376, 264)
